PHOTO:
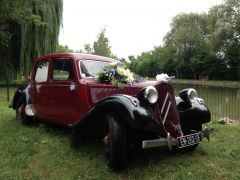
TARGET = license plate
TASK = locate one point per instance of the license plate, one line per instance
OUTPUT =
(188, 140)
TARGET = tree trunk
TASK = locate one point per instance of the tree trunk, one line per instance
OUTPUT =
(7, 87)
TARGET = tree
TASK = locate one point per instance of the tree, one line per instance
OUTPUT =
(88, 49)
(28, 29)
(63, 49)
(188, 37)
(101, 45)
(225, 37)
(207, 43)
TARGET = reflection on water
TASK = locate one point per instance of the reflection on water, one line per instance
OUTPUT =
(238, 94)
(222, 102)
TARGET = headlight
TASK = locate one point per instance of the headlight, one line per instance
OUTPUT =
(188, 95)
(151, 94)
(192, 95)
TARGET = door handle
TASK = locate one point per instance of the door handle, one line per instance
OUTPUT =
(72, 86)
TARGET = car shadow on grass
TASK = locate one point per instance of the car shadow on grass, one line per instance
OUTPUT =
(140, 158)
(94, 147)
(48, 127)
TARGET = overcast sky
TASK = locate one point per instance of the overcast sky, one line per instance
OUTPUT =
(132, 26)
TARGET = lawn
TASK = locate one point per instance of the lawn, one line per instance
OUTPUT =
(44, 151)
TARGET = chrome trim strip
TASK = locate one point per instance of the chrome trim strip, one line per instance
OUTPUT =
(165, 116)
(58, 85)
(165, 100)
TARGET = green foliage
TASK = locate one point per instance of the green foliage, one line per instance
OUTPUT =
(101, 45)
(225, 36)
(197, 45)
(28, 29)
(63, 49)
(88, 49)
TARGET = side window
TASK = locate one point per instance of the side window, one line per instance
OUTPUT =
(62, 70)
(42, 72)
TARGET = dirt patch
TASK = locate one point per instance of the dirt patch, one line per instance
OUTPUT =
(228, 121)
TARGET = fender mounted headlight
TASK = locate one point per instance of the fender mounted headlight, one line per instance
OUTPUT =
(151, 94)
(188, 95)
(192, 95)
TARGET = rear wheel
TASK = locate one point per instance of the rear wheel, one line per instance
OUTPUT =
(20, 112)
(115, 141)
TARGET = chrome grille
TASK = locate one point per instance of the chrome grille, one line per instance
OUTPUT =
(166, 111)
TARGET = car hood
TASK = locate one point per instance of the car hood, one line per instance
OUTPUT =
(98, 91)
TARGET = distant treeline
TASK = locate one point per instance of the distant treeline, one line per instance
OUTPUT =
(198, 46)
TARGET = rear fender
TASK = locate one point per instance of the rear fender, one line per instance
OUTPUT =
(21, 92)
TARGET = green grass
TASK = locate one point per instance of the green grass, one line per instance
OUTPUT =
(44, 151)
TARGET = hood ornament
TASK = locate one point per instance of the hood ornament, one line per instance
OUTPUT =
(164, 77)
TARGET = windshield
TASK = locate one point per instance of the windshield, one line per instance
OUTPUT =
(90, 68)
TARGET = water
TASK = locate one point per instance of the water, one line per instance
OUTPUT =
(222, 102)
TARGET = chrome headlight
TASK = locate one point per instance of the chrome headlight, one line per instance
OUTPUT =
(188, 95)
(151, 94)
(192, 95)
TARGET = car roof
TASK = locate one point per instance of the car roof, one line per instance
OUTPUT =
(78, 56)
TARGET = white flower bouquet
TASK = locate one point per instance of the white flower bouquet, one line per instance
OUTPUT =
(117, 74)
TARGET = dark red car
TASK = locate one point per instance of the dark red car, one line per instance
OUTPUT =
(62, 89)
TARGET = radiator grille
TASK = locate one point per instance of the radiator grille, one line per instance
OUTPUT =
(166, 111)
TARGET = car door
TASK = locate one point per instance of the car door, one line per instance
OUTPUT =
(39, 88)
(63, 96)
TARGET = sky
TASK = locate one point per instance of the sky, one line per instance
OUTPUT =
(132, 26)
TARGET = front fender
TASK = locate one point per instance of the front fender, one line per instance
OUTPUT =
(192, 114)
(133, 114)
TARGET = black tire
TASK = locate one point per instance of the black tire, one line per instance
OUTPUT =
(20, 112)
(191, 131)
(116, 147)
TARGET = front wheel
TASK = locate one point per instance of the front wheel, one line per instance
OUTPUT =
(115, 141)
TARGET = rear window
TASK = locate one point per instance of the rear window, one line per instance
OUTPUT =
(62, 70)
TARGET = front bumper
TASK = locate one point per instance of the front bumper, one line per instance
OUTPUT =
(170, 142)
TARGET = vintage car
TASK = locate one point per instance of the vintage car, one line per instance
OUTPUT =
(63, 89)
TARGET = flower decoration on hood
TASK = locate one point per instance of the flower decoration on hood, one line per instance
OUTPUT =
(117, 74)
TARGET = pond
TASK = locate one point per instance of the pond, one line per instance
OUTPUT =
(222, 102)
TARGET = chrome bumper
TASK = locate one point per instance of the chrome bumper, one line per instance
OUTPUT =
(170, 142)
